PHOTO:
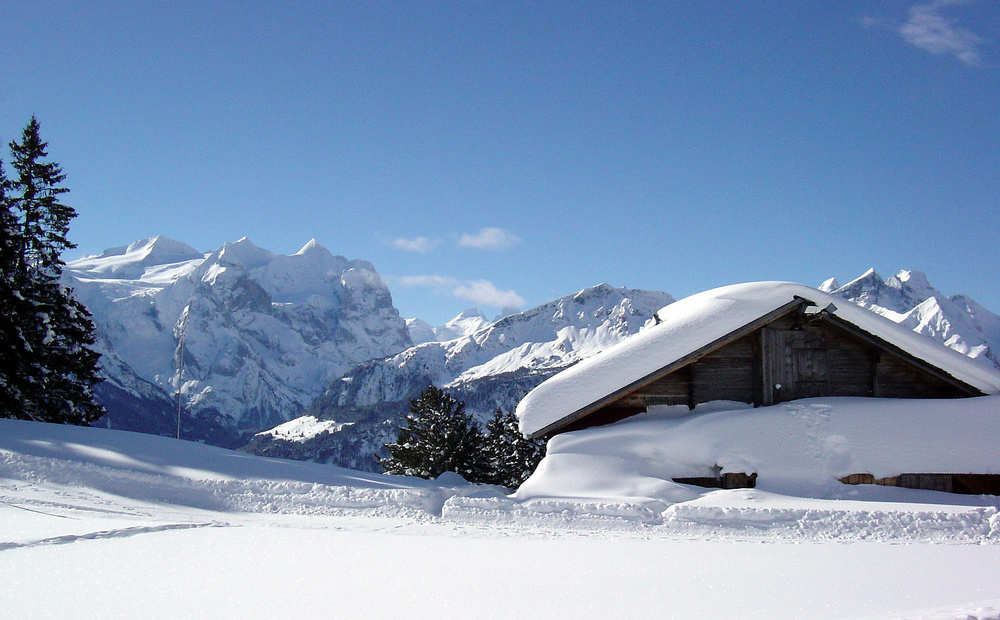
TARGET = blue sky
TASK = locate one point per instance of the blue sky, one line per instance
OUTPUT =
(506, 153)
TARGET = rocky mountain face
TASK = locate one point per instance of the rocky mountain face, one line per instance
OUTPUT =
(909, 299)
(494, 366)
(247, 337)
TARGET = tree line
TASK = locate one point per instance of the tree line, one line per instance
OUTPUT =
(49, 367)
(440, 436)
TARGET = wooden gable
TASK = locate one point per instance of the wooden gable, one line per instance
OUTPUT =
(786, 355)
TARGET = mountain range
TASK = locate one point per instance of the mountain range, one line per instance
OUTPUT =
(304, 356)
(245, 339)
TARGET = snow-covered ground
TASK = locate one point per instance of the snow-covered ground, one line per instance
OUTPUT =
(100, 523)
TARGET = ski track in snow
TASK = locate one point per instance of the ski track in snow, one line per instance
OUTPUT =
(118, 533)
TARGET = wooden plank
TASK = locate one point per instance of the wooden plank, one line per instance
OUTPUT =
(962, 484)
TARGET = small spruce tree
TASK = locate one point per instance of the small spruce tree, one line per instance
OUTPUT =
(511, 457)
(438, 437)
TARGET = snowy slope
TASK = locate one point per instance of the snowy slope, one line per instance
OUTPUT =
(263, 333)
(608, 476)
(909, 299)
(163, 470)
(135, 526)
(550, 336)
(466, 323)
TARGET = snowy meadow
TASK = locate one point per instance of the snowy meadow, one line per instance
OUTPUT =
(102, 523)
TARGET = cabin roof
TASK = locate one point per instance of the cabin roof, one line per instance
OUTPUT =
(704, 321)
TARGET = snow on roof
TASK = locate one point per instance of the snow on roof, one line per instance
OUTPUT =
(697, 321)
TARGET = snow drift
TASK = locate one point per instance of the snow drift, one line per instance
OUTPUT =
(796, 448)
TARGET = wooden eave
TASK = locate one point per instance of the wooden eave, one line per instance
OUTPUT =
(693, 356)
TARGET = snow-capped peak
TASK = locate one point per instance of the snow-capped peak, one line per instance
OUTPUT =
(264, 332)
(868, 276)
(311, 246)
(829, 285)
(468, 313)
(131, 261)
(420, 331)
(467, 322)
(244, 252)
(915, 281)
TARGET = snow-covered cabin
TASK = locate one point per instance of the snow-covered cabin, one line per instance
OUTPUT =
(762, 343)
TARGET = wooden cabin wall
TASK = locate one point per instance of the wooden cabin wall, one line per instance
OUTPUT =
(859, 368)
(851, 363)
(728, 373)
(814, 358)
(725, 374)
(853, 366)
(673, 389)
(897, 379)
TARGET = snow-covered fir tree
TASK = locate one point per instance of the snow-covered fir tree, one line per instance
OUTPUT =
(438, 437)
(510, 456)
(49, 368)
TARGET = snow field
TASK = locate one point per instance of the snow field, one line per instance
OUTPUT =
(98, 523)
(343, 567)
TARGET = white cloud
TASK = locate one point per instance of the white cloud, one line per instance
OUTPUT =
(484, 293)
(931, 31)
(423, 245)
(479, 292)
(428, 281)
(489, 239)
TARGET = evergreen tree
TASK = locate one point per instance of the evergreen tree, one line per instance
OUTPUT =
(511, 457)
(12, 345)
(438, 437)
(44, 327)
